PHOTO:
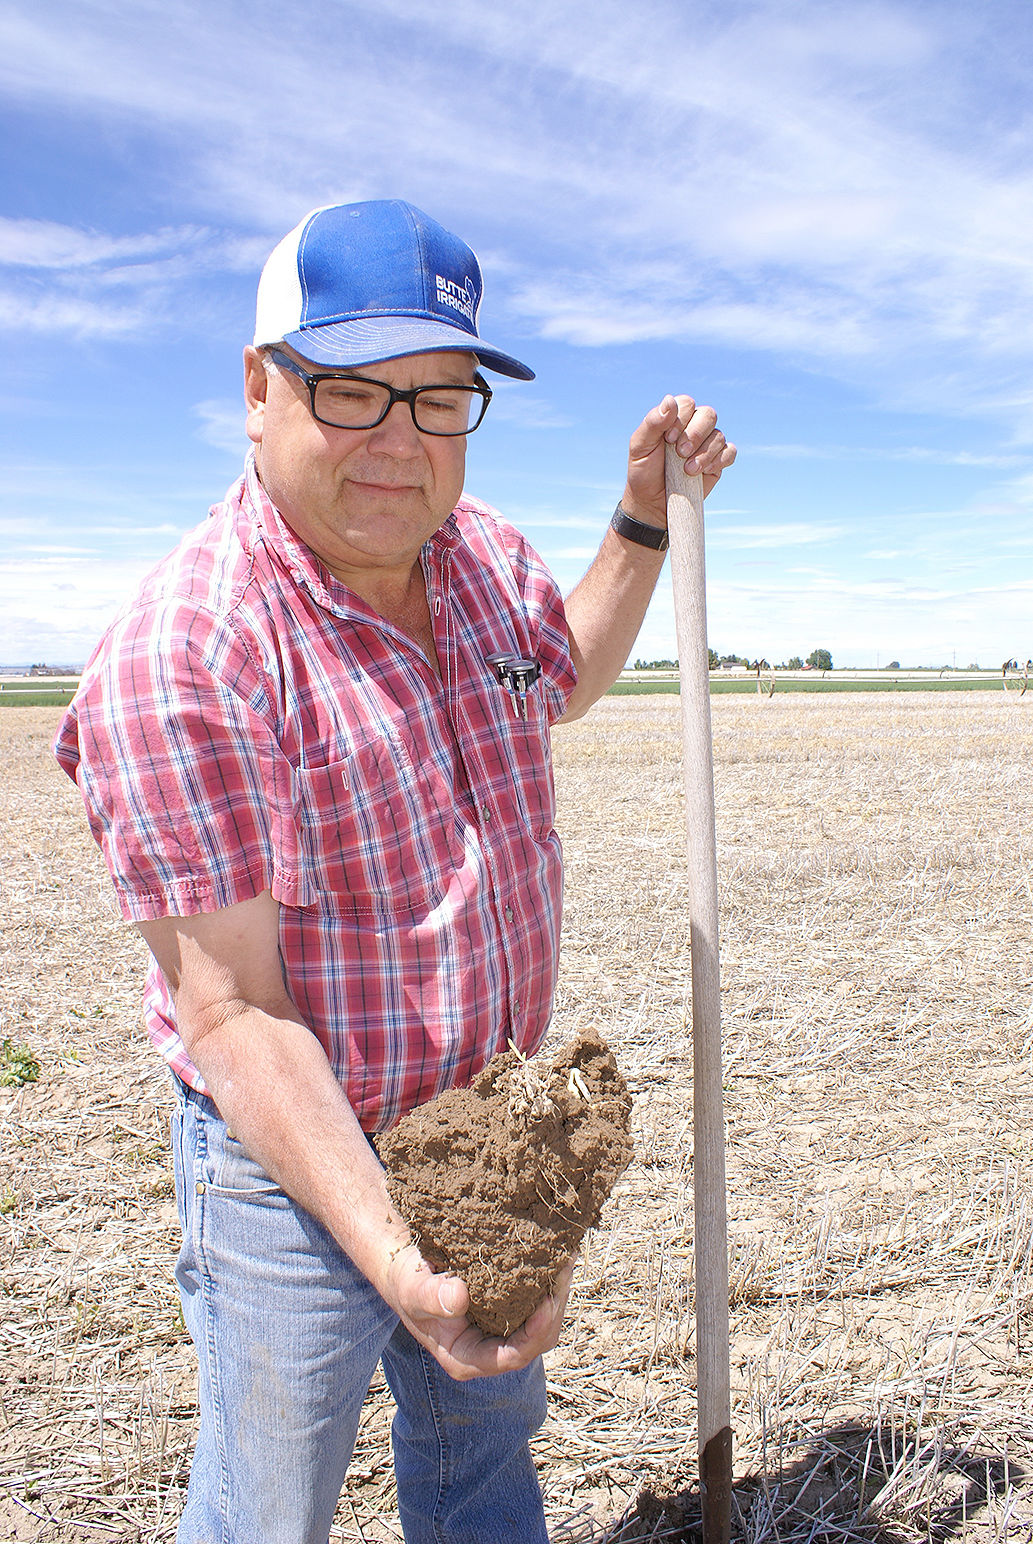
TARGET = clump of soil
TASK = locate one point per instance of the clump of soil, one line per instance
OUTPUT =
(501, 1181)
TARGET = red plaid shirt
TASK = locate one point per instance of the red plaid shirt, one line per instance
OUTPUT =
(249, 723)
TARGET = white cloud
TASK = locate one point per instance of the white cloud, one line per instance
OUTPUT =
(56, 605)
(17, 526)
(53, 549)
(582, 555)
(845, 189)
(880, 453)
(69, 316)
(67, 281)
(79, 283)
(118, 511)
(46, 244)
(785, 534)
(520, 410)
(771, 618)
(783, 179)
(536, 518)
(222, 425)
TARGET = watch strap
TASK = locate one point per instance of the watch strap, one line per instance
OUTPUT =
(636, 531)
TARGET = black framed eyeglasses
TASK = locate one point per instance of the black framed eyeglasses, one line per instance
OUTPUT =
(353, 402)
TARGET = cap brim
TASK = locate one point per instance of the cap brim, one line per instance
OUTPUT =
(365, 341)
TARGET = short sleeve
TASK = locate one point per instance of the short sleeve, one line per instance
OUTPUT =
(172, 742)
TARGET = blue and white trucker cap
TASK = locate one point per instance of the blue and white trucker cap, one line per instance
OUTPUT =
(357, 283)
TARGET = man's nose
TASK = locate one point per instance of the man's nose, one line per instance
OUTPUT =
(396, 434)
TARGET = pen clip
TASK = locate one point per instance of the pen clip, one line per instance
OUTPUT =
(517, 675)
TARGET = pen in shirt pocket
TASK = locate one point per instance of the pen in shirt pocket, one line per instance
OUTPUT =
(517, 675)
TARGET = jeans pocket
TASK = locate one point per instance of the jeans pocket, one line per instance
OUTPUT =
(227, 1169)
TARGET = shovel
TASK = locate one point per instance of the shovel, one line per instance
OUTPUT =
(713, 1401)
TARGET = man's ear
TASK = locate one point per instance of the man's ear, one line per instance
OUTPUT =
(256, 384)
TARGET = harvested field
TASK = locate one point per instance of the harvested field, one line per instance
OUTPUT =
(877, 914)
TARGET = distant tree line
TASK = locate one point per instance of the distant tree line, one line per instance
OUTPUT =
(817, 659)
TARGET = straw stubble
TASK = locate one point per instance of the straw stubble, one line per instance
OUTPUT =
(876, 921)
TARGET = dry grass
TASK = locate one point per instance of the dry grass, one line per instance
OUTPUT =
(876, 913)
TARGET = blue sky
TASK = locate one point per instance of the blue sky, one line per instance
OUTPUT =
(817, 216)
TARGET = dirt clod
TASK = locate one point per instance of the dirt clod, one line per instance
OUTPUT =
(501, 1181)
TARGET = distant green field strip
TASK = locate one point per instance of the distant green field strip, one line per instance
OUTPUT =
(27, 697)
(720, 688)
(18, 697)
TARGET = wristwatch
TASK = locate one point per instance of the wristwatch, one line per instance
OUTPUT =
(634, 530)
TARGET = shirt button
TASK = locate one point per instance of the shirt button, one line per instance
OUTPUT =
(508, 914)
(486, 812)
(199, 1187)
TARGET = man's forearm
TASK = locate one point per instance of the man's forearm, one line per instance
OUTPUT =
(605, 611)
(604, 615)
(277, 1093)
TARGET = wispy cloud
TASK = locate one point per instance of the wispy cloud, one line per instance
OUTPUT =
(69, 316)
(73, 282)
(770, 617)
(46, 244)
(878, 453)
(791, 534)
(536, 518)
(780, 180)
(55, 605)
(523, 410)
(845, 193)
(222, 425)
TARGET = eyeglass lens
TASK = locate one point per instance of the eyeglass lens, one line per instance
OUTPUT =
(358, 404)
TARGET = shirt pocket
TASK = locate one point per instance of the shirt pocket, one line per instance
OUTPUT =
(531, 751)
(377, 831)
(516, 753)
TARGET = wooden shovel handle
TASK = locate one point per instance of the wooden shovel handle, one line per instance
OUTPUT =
(688, 570)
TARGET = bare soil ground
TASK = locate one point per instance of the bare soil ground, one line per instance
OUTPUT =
(877, 912)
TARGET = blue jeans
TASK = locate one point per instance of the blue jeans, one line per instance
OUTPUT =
(288, 1334)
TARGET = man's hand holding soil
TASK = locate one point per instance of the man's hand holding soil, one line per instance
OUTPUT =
(434, 1310)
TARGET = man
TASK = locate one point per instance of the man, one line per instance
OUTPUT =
(321, 779)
